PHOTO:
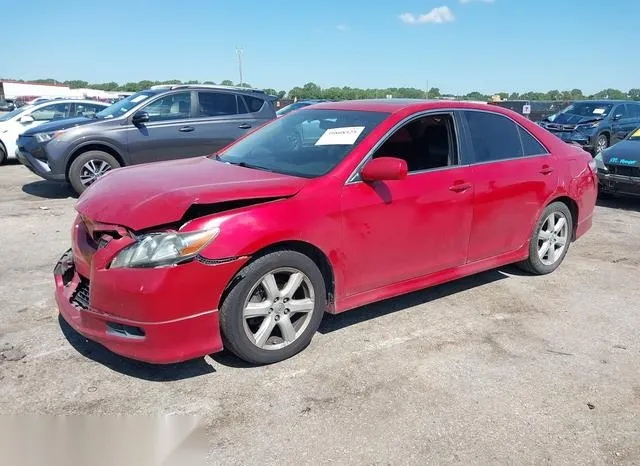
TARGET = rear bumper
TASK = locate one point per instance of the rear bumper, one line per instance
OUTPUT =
(618, 184)
(144, 325)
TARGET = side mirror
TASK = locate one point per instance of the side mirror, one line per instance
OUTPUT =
(384, 169)
(140, 117)
(617, 117)
(26, 119)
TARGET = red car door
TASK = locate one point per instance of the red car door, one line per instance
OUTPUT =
(403, 229)
(513, 176)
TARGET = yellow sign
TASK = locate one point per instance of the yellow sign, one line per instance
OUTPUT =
(636, 134)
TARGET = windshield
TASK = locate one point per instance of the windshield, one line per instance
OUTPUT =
(634, 135)
(589, 109)
(123, 106)
(17, 111)
(308, 143)
(290, 108)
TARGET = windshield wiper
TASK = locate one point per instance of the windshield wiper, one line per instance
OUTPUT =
(242, 164)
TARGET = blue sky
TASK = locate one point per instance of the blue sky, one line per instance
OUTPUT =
(456, 45)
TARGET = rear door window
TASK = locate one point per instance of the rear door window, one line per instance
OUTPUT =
(493, 137)
(212, 104)
(57, 111)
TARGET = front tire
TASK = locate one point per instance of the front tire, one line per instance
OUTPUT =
(550, 241)
(274, 308)
(602, 142)
(88, 167)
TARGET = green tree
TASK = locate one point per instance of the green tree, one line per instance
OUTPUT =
(76, 84)
(281, 94)
(514, 96)
(634, 94)
(433, 93)
(475, 95)
(227, 82)
(610, 94)
(209, 83)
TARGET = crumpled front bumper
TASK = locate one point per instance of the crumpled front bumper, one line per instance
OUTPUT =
(611, 183)
(151, 315)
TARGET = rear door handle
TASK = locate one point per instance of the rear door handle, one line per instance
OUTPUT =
(186, 129)
(244, 126)
(460, 187)
(546, 170)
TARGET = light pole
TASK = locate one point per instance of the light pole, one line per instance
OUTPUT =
(239, 53)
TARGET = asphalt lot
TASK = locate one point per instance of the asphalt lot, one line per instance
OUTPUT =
(500, 367)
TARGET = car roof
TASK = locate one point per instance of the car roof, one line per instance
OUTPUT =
(603, 101)
(396, 105)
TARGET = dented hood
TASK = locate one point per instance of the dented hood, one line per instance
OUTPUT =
(154, 194)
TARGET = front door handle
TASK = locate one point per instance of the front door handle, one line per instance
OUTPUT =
(460, 187)
(244, 126)
(546, 170)
(186, 129)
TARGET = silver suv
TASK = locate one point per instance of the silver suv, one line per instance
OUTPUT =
(160, 123)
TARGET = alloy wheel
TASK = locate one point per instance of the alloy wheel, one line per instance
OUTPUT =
(553, 238)
(92, 170)
(601, 144)
(278, 308)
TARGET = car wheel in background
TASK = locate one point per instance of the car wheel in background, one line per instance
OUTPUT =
(602, 142)
(3, 154)
(88, 167)
(550, 241)
(274, 308)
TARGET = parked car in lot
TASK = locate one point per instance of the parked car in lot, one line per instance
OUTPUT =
(298, 105)
(7, 105)
(28, 117)
(619, 167)
(252, 245)
(595, 124)
(161, 123)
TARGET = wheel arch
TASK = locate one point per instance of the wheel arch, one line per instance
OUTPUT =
(573, 208)
(92, 146)
(313, 252)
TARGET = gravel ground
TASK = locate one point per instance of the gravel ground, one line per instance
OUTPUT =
(500, 367)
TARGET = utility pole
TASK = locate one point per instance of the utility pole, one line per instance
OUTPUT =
(239, 53)
(428, 90)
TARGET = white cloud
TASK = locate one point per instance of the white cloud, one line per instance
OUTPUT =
(439, 15)
(342, 27)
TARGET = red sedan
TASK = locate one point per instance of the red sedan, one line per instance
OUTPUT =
(329, 208)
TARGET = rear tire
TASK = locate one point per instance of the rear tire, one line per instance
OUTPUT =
(88, 167)
(550, 241)
(267, 316)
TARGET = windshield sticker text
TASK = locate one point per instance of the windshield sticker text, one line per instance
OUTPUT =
(599, 111)
(340, 136)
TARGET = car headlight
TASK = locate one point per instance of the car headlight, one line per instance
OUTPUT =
(588, 126)
(46, 137)
(600, 163)
(163, 249)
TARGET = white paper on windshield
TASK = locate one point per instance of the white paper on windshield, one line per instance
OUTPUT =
(140, 98)
(598, 111)
(340, 136)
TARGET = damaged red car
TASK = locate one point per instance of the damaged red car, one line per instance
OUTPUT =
(329, 208)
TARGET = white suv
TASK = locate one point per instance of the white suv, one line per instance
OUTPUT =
(14, 123)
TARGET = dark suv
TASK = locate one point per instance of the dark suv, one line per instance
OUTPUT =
(595, 124)
(161, 123)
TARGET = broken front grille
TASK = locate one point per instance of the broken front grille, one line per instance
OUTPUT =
(80, 297)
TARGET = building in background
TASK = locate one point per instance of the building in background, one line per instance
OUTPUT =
(16, 89)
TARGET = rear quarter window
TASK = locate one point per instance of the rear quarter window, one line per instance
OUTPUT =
(530, 145)
(253, 103)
